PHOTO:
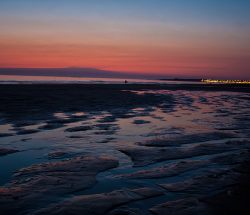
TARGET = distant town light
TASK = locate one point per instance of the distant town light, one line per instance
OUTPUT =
(217, 81)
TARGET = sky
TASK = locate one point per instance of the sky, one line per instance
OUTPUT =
(182, 38)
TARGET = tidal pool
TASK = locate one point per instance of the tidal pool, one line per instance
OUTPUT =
(139, 147)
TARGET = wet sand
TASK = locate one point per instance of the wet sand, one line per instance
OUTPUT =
(124, 149)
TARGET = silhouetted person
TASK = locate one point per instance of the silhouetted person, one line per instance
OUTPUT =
(125, 81)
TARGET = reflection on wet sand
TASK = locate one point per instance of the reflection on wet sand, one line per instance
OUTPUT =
(166, 150)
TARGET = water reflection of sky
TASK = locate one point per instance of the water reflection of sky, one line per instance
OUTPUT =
(193, 112)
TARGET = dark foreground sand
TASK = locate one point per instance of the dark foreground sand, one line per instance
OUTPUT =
(38, 101)
(198, 170)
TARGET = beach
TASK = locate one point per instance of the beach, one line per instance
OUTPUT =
(124, 149)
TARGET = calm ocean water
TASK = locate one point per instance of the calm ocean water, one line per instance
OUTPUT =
(16, 79)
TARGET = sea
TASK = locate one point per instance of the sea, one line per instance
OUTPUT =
(17, 79)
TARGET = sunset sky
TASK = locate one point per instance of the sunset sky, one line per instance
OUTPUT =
(189, 38)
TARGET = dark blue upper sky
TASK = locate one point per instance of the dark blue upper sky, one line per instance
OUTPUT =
(199, 11)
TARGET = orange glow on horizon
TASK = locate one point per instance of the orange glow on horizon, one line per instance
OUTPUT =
(127, 58)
